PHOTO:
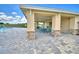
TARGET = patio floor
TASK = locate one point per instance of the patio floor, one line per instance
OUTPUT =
(14, 41)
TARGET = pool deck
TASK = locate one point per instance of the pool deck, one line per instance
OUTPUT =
(14, 41)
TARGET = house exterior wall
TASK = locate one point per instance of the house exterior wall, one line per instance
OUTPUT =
(72, 23)
(76, 21)
(68, 24)
(76, 29)
(65, 25)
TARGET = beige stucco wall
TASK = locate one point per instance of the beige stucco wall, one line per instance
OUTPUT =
(65, 25)
(72, 21)
(76, 22)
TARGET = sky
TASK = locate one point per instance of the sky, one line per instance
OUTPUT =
(11, 13)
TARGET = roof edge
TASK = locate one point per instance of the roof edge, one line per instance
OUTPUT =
(48, 9)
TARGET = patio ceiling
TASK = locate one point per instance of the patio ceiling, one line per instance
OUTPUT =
(41, 17)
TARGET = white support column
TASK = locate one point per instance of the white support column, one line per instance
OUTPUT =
(30, 24)
(56, 24)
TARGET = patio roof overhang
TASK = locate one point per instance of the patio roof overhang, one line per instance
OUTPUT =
(26, 7)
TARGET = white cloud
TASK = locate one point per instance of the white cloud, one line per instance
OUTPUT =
(15, 21)
(18, 17)
(6, 18)
(1, 13)
(14, 13)
(23, 20)
(11, 19)
(3, 17)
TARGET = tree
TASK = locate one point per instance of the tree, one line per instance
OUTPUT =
(1, 23)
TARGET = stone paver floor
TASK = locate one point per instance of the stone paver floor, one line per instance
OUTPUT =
(14, 41)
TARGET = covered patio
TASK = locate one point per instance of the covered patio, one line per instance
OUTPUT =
(53, 21)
